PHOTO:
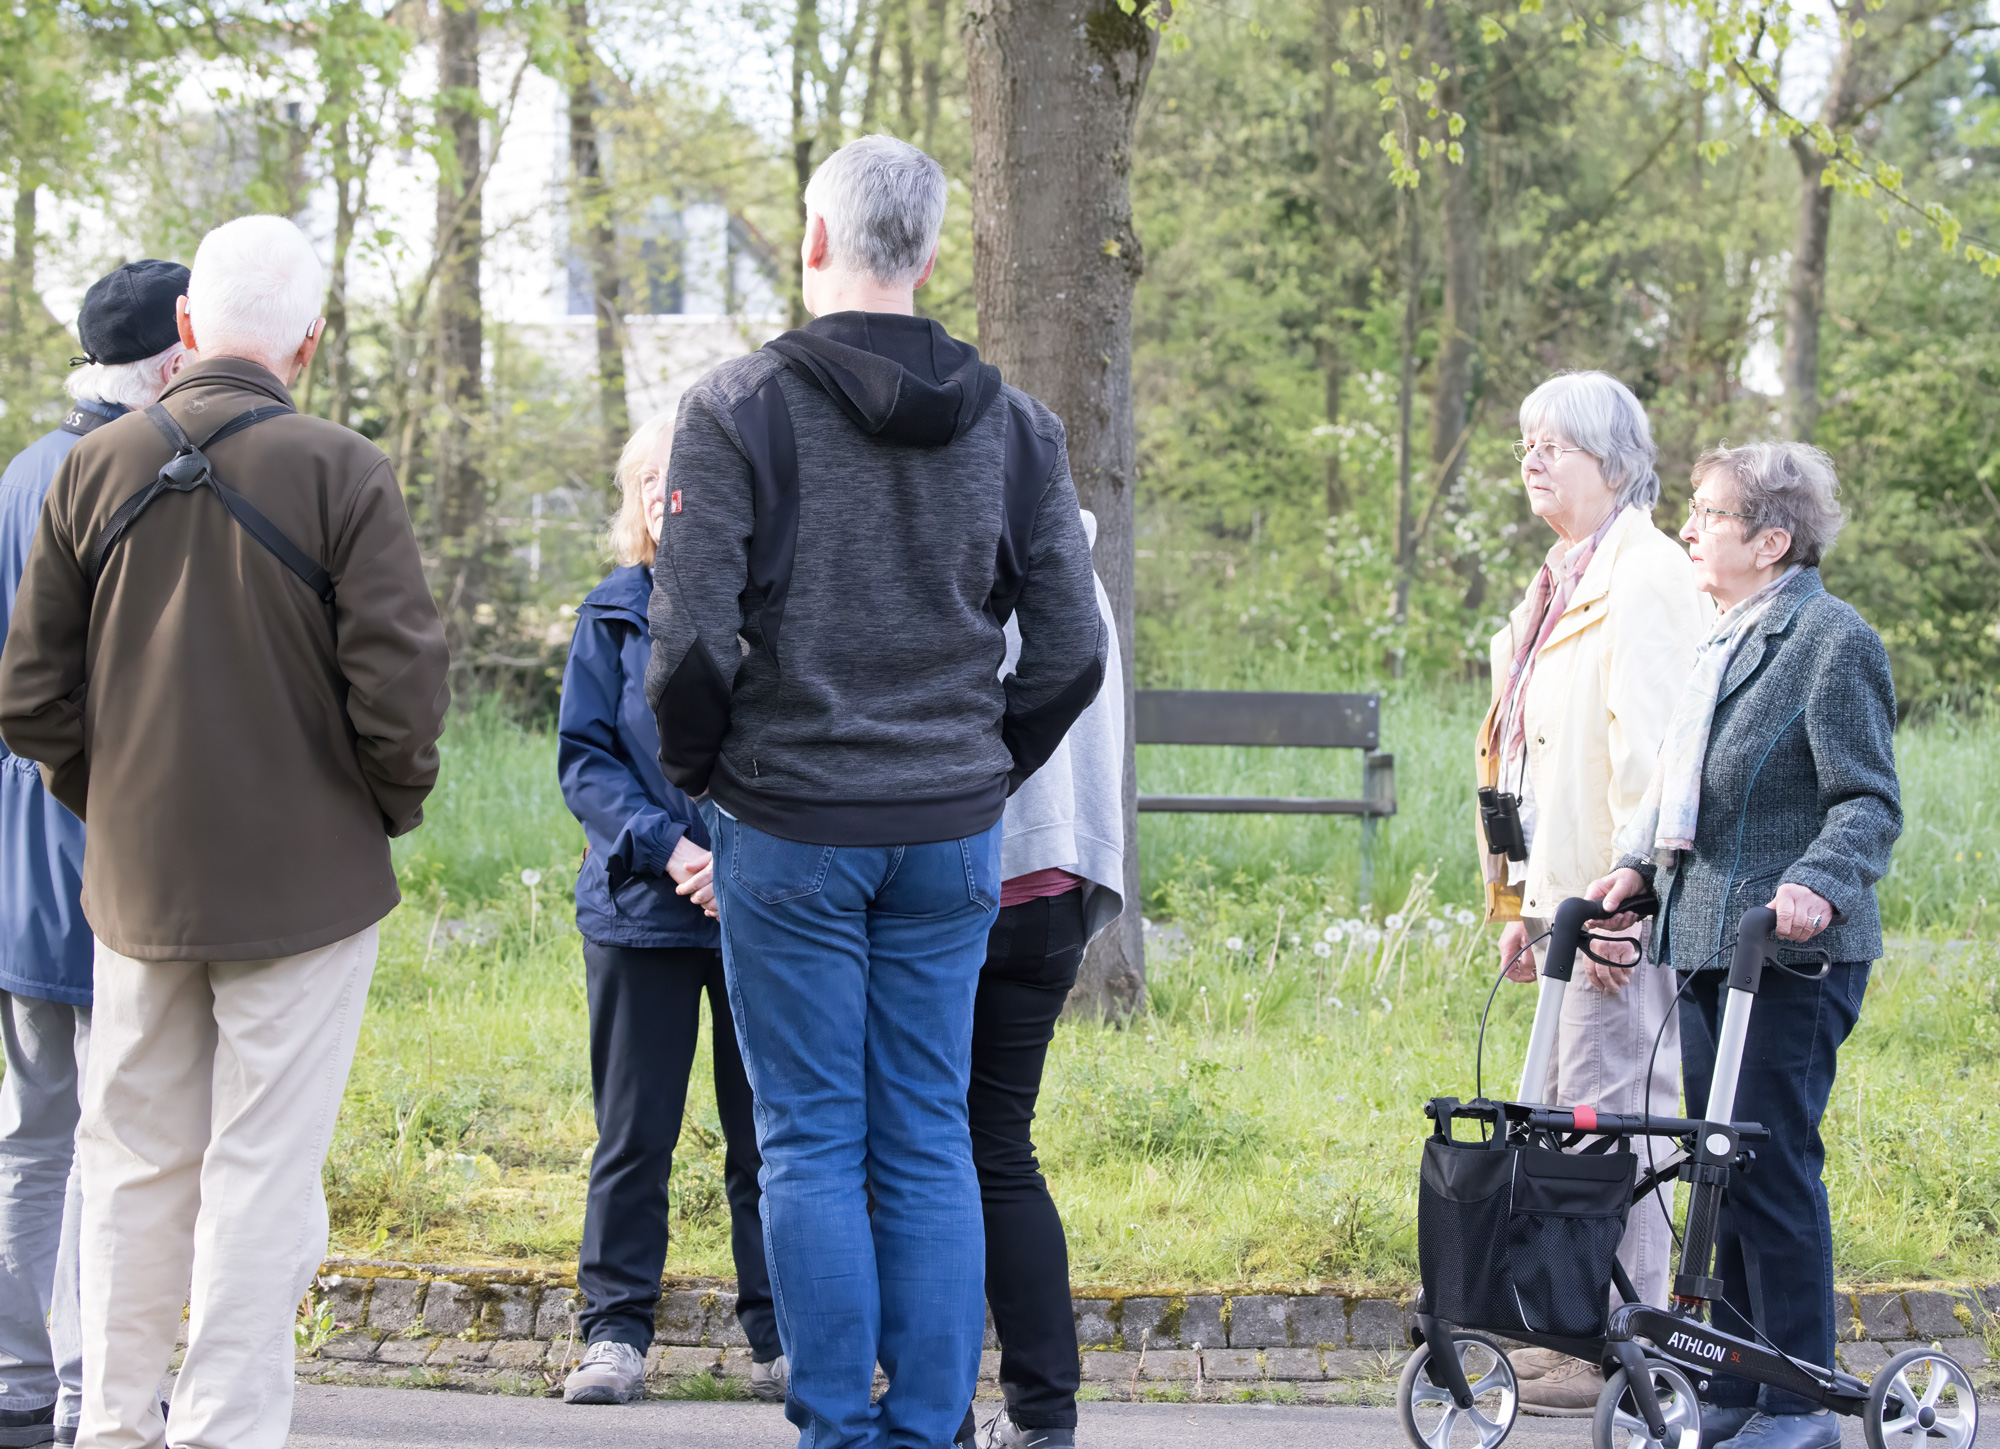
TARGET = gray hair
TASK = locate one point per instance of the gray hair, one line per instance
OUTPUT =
(130, 384)
(883, 203)
(1596, 412)
(1780, 485)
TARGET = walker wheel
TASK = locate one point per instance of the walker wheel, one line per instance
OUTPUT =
(1618, 1424)
(1430, 1417)
(1921, 1400)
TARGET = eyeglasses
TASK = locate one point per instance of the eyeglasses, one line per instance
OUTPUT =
(1704, 518)
(1551, 453)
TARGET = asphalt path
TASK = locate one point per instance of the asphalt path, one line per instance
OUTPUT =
(370, 1418)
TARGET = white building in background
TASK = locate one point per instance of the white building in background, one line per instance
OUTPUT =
(711, 288)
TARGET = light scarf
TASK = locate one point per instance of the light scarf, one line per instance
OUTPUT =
(1666, 817)
(1548, 600)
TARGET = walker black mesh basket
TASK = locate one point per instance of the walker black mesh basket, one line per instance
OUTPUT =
(1519, 1238)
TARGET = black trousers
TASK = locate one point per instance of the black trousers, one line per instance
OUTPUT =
(1774, 1249)
(1032, 958)
(645, 1012)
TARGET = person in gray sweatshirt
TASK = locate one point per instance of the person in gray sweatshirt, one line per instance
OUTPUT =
(1062, 862)
(854, 513)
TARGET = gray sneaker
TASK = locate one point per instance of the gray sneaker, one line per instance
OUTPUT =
(1001, 1432)
(768, 1381)
(611, 1373)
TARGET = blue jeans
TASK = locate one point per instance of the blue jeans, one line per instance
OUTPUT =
(851, 972)
(1774, 1253)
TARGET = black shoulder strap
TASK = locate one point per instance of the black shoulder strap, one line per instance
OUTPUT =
(189, 469)
(81, 420)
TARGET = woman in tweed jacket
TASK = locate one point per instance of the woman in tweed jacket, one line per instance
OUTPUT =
(1777, 786)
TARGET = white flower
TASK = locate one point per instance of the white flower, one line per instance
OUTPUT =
(1295, 940)
(1387, 1006)
(1355, 926)
(1249, 996)
(1331, 935)
(1234, 943)
(1322, 950)
(1394, 923)
(531, 877)
(1466, 918)
(1371, 937)
(1436, 927)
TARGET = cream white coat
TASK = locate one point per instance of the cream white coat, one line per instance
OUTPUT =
(1597, 708)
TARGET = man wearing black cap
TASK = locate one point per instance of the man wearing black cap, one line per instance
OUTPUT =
(131, 352)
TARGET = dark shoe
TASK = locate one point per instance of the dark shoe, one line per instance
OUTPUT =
(22, 1427)
(1001, 1432)
(1786, 1431)
(1720, 1425)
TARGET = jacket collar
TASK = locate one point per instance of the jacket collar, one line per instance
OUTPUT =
(1750, 653)
(1596, 581)
(230, 372)
(625, 590)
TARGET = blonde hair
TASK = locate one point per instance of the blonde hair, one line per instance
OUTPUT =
(628, 540)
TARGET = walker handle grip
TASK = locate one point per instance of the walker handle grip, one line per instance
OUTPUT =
(1566, 931)
(1755, 935)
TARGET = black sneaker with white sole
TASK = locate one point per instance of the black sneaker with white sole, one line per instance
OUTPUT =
(1001, 1432)
(20, 1428)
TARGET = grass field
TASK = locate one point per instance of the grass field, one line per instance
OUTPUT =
(1258, 1126)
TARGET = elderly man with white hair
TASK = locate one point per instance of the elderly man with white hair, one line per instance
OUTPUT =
(1585, 676)
(131, 349)
(225, 658)
(853, 515)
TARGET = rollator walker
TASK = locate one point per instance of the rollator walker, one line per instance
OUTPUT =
(1517, 1235)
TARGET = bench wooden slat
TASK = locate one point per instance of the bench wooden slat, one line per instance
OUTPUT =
(1257, 805)
(1235, 717)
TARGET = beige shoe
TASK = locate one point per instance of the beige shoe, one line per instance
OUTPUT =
(1534, 1363)
(1567, 1391)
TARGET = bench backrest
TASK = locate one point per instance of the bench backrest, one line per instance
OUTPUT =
(1234, 717)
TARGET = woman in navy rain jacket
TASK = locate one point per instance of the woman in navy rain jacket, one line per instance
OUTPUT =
(649, 954)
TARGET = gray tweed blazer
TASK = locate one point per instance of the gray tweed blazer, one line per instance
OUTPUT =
(1799, 785)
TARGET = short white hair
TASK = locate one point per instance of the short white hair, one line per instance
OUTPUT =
(883, 204)
(1596, 412)
(254, 289)
(130, 384)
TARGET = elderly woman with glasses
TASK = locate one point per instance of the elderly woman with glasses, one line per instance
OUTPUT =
(1584, 677)
(1776, 786)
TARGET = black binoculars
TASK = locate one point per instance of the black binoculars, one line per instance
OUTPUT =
(1500, 817)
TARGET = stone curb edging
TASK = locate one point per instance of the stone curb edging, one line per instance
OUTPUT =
(510, 1329)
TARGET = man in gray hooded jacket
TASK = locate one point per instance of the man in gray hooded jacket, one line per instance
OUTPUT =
(854, 512)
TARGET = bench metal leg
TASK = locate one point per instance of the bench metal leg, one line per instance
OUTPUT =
(1365, 893)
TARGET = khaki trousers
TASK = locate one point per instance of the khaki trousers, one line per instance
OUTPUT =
(208, 1106)
(1600, 1061)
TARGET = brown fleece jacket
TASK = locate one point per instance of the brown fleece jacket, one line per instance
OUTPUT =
(241, 752)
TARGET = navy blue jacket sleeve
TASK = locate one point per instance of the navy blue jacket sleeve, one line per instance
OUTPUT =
(599, 782)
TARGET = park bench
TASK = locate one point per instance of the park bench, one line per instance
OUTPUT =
(1298, 721)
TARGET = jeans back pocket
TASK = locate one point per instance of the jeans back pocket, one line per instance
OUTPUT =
(775, 870)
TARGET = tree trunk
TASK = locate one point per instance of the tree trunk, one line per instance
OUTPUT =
(934, 23)
(21, 276)
(805, 39)
(1413, 281)
(1332, 356)
(1451, 408)
(591, 210)
(1805, 298)
(347, 188)
(1055, 88)
(461, 392)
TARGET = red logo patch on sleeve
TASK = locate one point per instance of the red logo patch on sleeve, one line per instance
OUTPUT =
(674, 503)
